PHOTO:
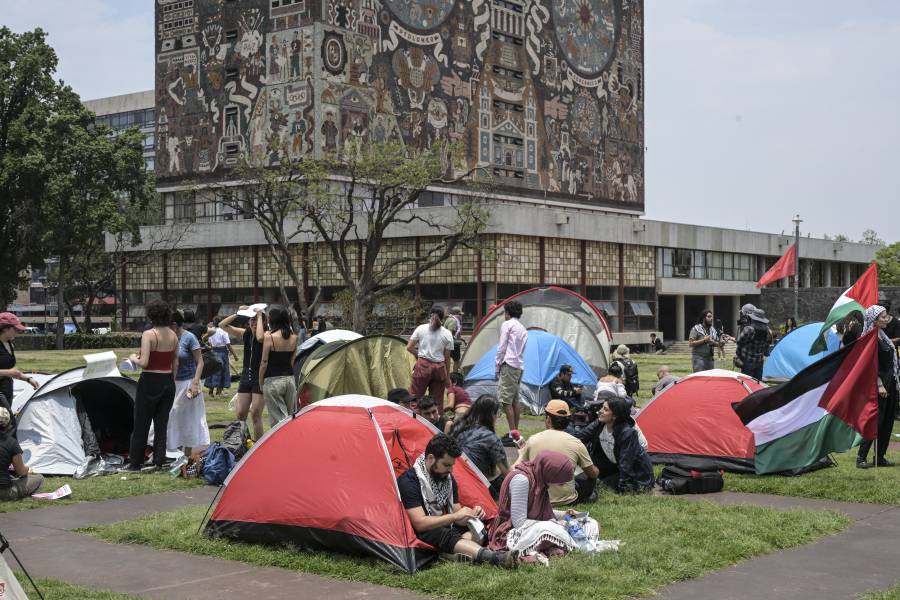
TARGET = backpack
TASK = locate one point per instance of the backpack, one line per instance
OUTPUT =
(212, 364)
(691, 477)
(217, 464)
(630, 375)
(235, 437)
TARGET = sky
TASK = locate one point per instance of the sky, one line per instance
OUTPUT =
(756, 110)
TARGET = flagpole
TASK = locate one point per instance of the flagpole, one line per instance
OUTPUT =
(797, 222)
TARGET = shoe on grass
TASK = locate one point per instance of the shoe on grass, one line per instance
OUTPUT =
(862, 464)
(883, 462)
(129, 469)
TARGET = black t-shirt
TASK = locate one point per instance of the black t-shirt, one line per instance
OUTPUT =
(411, 493)
(9, 447)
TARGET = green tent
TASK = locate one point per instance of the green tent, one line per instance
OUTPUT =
(318, 355)
(371, 365)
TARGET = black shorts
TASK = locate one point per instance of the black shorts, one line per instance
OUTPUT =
(249, 384)
(444, 539)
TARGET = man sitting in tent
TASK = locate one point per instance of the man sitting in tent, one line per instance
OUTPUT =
(428, 410)
(561, 388)
(430, 496)
(555, 438)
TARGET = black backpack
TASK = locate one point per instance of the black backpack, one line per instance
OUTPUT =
(691, 477)
(630, 375)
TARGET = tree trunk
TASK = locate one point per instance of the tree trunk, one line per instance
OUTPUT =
(358, 313)
(86, 309)
(61, 305)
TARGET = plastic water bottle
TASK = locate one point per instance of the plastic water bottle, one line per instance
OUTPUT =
(575, 530)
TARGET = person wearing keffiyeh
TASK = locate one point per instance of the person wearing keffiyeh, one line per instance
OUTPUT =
(876, 317)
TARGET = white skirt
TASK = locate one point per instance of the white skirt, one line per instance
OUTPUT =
(187, 419)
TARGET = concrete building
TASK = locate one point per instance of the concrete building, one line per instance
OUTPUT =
(550, 103)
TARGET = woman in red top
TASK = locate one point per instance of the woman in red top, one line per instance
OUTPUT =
(158, 360)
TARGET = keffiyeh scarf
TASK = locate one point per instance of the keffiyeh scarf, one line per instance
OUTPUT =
(437, 493)
(872, 314)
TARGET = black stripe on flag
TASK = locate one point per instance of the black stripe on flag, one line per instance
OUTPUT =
(819, 373)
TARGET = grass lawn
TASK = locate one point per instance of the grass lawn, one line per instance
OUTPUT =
(59, 590)
(662, 544)
(891, 594)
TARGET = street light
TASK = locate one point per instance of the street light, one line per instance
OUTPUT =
(797, 220)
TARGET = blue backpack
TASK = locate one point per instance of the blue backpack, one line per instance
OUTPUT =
(218, 462)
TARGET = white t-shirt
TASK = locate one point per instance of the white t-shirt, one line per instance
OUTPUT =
(219, 338)
(431, 344)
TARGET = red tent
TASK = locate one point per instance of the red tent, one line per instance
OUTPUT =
(694, 418)
(327, 480)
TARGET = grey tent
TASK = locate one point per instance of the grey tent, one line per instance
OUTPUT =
(69, 417)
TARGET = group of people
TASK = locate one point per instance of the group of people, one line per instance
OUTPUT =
(754, 340)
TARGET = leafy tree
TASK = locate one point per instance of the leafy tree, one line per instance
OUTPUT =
(840, 237)
(870, 236)
(888, 259)
(29, 97)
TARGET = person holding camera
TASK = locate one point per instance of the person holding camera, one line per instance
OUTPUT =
(703, 340)
(753, 341)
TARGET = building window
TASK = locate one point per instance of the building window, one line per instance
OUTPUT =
(149, 163)
(149, 141)
(640, 309)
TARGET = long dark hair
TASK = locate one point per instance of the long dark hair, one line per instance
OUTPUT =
(620, 410)
(280, 320)
(702, 316)
(483, 412)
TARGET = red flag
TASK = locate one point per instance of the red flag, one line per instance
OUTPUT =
(852, 394)
(785, 267)
(865, 290)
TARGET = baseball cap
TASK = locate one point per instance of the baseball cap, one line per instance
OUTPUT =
(565, 369)
(7, 318)
(558, 408)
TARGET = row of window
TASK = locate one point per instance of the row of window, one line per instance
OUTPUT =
(703, 264)
(132, 118)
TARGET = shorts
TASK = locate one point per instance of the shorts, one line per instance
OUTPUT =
(249, 384)
(702, 363)
(508, 386)
(444, 539)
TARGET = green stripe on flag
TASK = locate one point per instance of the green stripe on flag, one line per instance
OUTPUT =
(806, 445)
(837, 313)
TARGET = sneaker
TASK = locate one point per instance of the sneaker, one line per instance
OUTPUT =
(129, 469)
(151, 468)
(862, 464)
(883, 462)
(508, 560)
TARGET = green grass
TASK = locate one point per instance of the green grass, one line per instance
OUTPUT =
(56, 361)
(54, 589)
(663, 543)
(891, 594)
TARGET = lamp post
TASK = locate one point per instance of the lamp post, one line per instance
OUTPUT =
(797, 220)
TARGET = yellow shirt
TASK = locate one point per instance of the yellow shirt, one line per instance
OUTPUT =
(558, 441)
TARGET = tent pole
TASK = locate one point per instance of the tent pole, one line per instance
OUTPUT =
(209, 508)
(4, 545)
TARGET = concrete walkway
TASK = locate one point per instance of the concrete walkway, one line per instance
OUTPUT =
(42, 540)
(864, 557)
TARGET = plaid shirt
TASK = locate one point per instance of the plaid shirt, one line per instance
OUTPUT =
(751, 348)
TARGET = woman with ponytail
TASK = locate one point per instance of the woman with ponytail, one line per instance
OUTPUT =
(276, 370)
(431, 344)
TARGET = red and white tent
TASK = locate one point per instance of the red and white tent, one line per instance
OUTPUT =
(326, 479)
(694, 418)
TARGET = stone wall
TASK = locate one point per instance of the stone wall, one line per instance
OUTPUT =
(814, 302)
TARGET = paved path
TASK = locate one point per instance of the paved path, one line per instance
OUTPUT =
(864, 557)
(43, 542)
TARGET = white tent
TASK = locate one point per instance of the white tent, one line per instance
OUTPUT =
(53, 434)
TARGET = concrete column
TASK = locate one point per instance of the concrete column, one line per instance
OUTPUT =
(826, 272)
(846, 276)
(710, 303)
(806, 270)
(679, 318)
(735, 315)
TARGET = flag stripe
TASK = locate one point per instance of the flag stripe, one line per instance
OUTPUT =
(806, 445)
(843, 307)
(802, 411)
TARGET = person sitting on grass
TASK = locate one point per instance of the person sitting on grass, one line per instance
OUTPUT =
(581, 487)
(400, 396)
(656, 345)
(25, 483)
(526, 521)
(611, 385)
(458, 398)
(475, 434)
(430, 496)
(664, 379)
(428, 410)
(619, 454)
(562, 388)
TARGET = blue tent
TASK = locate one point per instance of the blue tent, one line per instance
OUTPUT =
(791, 354)
(545, 353)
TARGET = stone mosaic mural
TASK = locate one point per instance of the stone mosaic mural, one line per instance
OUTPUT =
(546, 95)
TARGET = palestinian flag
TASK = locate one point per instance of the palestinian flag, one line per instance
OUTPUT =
(861, 296)
(823, 409)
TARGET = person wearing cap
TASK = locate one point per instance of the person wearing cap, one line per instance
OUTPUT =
(556, 419)
(25, 483)
(753, 341)
(250, 399)
(10, 327)
(630, 377)
(561, 388)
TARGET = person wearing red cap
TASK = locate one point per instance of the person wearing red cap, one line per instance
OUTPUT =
(10, 327)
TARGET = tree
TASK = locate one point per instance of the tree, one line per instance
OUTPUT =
(95, 182)
(870, 236)
(350, 203)
(29, 96)
(888, 259)
(840, 237)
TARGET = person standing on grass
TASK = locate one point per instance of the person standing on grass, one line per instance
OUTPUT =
(276, 370)
(753, 341)
(250, 399)
(876, 317)
(430, 496)
(431, 344)
(187, 419)
(10, 327)
(703, 340)
(158, 360)
(220, 342)
(510, 362)
(25, 483)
